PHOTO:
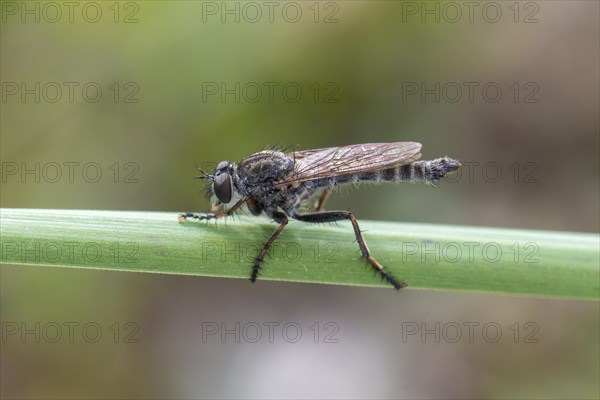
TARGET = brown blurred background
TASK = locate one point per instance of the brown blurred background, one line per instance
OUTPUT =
(508, 88)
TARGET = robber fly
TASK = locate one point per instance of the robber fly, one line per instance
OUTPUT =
(279, 183)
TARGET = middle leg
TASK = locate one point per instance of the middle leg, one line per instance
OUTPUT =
(320, 202)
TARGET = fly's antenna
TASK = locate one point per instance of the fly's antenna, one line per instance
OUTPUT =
(205, 174)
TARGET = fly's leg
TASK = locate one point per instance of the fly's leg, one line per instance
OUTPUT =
(213, 214)
(320, 202)
(333, 216)
(283, 221)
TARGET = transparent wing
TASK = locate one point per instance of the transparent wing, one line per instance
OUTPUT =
(297, 155)
(335, 161)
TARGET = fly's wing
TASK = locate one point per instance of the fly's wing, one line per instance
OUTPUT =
(336, 161)
(297, 155)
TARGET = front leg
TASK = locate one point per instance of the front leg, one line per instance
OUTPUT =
(214, 213)
(333, 216)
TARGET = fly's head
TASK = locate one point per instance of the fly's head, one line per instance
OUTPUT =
(220, 188)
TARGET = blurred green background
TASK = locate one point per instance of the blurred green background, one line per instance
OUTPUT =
(367, 72)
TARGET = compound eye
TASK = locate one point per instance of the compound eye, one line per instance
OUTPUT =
(223, 188)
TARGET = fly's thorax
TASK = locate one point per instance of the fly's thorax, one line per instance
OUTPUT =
(267, 165)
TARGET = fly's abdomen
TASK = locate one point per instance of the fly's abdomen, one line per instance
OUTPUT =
(418, 171)
(427, 171)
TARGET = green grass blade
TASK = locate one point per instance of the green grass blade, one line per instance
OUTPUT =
(426, 256)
